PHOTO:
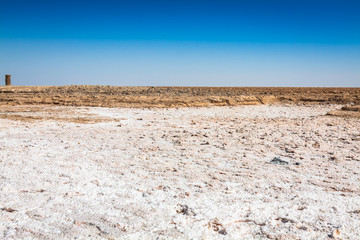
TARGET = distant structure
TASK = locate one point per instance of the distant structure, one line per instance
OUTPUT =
(7, 80)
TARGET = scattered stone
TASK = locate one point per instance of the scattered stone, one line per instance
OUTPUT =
(216, 226)
(336, 234)
(162, 187)
(285, 220)
(297, 163)
(278, 161)
(185, 210)
(302, 227)
(222, 231)
(355, 211)
(8, 209)
(288, 150)
(177, 142)
(183, 195)
(316, 145)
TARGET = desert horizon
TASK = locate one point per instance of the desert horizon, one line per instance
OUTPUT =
(180, 120)
(108, 96)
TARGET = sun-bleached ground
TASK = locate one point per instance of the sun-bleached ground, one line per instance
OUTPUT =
(189, 173)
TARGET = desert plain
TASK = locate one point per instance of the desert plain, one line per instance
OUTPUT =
(102, 162)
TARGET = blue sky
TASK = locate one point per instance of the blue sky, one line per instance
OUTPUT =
(181, 43)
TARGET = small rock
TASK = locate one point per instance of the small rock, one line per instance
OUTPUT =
(166, 188)
(162, 187)
(8, 209)
(355, 211)
(216, 226)
(336, 234)
(288, 150)
(303, 228)
(278, 161)
(185, 210)
(316, 145)
(222, 231)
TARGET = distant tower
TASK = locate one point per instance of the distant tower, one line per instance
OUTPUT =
(7, 80)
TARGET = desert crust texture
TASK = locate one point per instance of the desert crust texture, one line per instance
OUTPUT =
(280, 170)
(97, 162)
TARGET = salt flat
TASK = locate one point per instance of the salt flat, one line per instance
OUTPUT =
(188, 173)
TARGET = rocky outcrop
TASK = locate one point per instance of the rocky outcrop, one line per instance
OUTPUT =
(346, 111)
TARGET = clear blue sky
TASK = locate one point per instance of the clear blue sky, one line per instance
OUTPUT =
(181, 43)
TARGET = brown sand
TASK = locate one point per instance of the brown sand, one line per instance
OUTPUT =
(107, 96)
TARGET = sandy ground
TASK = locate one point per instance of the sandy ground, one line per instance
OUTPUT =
(160, 97)
(189, 173)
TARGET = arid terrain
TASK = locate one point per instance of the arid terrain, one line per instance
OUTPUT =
(109, 96)
(98, 162)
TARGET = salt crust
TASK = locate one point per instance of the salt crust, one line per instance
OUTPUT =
(190, 173)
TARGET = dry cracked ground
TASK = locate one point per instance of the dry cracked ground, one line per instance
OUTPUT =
(188, 173)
